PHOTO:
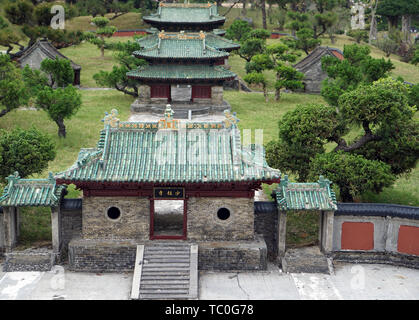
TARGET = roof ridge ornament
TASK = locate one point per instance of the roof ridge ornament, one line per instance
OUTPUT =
(111, 119)
(231, 120)
(168, 122)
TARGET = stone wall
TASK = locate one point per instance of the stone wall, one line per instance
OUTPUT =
(2, 244)
(133, 222)
(203, 223)
(29, 260)
(102, 255)
(217, 94)
(144, 93)
(314, 77)
(234, 255)
(71, 228)
(266, 224)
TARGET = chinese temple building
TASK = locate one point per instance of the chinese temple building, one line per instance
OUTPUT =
(185, 16)
(170, 180)
(184, 70)
(187, 67)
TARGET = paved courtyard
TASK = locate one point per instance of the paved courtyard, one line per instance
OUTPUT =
(350, 281)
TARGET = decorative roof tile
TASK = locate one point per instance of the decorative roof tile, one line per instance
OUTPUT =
(180, 45)
(181, 72)
(171, 151)
(305, 196)
(31, 192)
(212, 42)
(180, 13)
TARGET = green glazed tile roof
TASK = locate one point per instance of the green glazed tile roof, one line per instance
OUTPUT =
(305, 196)
(178, 152)
(182, 14)
(183, 72)
(178, 47)
(31, 192)
(175, 48)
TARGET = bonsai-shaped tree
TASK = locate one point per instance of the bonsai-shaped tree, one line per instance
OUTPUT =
(257, 78)
(103, 31)
(12, 89)
(386, 145)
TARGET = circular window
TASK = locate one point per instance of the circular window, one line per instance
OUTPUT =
(114, 213)
(223, 213)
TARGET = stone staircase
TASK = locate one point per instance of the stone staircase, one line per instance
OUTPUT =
(166, 270)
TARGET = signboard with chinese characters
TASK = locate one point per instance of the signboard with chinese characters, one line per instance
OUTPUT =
(169, 193)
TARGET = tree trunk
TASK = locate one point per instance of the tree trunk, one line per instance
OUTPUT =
(373, 27)
(61, 128)
(406, 22)
(244, 10)
(3, 112)
(277, 90)
(392, 23)
(263, 7)
(265, 93)
(345, 195)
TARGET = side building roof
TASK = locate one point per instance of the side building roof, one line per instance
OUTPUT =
(31, 192)
(316, 55)
(305, 196)
(47, 49)
(170, 151)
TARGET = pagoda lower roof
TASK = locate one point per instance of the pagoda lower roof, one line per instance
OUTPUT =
(170, 151)
(178, 13)
(179, 46)
(213, 42)
(181, 72)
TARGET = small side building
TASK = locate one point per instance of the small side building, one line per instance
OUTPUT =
(311, 66)
(40, 50)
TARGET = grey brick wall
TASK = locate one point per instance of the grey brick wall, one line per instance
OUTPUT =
(203, 223)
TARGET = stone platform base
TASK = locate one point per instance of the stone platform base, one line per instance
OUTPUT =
(29, 260)
(396, 259)
(101, 255)
(305, 260)
(181, 109)
(233, 255)
(119, 255)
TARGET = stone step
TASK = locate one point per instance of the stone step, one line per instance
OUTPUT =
(164, 281)
(169, 264)
(165, 272)
(164, 277)
(162, 254)
(162, 296)
(164, 286)
(164, 291)
(166, 261)
(167, 250)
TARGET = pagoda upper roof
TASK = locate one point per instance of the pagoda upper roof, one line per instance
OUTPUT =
(170, 151)
(212, 40)
(179, 45)
(181, 72)
(185, 13)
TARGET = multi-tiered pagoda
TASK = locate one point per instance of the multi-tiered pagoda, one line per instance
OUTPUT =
(185, 68)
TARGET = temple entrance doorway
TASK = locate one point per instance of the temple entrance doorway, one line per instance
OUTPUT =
(168, 219)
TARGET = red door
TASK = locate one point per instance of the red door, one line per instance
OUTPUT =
(160, 91)
(201, 92)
